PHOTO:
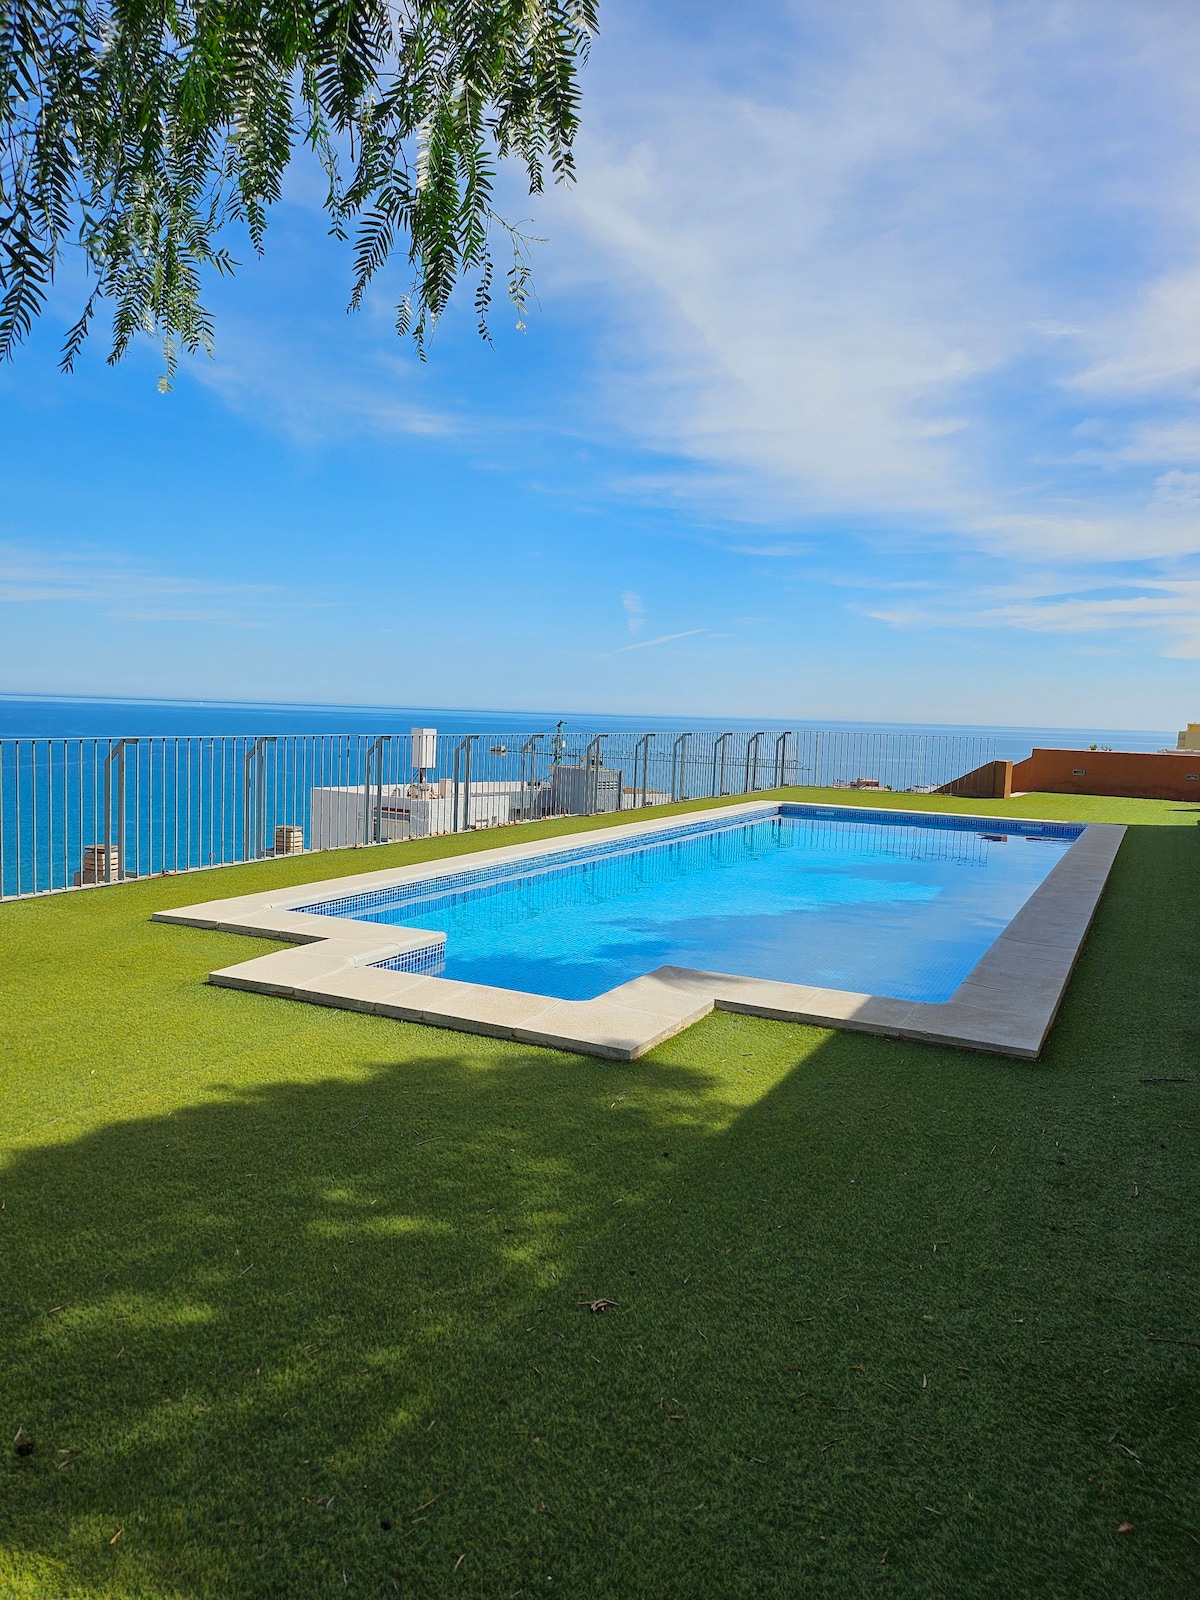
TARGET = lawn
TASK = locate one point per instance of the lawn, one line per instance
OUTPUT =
(298, 1302)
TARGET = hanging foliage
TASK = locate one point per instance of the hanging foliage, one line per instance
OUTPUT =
(149, 133)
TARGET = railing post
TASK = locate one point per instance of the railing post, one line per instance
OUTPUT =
(719, 755)
(467, 823)
(115, 752)
(372, 818)
(643, 745)
(781, 758)
(121, 829)
(529, 748)
(678, 757)
(462, 764)
(247, 816)
(752, 756)
(591, 762)
(254, 798)
(107, 815)
(261, 779)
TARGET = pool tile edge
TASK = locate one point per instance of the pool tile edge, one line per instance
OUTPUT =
(1006, 1006)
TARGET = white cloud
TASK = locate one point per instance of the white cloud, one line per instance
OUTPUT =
(663, 638)
(133, 591)
(845, 266)
(1151, 347)
(1167, 609)
(771, 552)
(1167, 441)
(920, 274)
(325, 387)
(1178, 489)
(770, 343)
(1164, 525)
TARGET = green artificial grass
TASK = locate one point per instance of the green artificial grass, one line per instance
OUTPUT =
(297, 1302)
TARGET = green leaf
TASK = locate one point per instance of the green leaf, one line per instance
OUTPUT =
(139, 131)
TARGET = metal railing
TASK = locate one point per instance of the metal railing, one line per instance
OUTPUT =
(82, 811)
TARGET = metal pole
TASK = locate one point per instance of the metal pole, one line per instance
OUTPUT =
(372, 824)
(79, 820)
(49, 813)
(461, 821)
(752, 755)
(116, 752)
(247, 769)
(366, 822)
(121, 852)
(529, 748)
(260, 779)
(643, 745)
(781, 758)
(260, 797)
(469, 742)
(383, 739)
(137, 812)
(17, 804)
(33, 810)
(254, 808)
(678, 756)
(591, 762)
(719, 754)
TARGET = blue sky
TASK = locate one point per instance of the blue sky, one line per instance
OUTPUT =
(863, 383)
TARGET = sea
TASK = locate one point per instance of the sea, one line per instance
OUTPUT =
(55, 716)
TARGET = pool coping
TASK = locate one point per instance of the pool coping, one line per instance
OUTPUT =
(1005, 1006)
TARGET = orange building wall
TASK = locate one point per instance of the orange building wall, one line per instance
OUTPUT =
(992, 781)
(1130, 774)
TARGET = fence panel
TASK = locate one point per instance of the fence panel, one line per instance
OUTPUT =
(76, 812)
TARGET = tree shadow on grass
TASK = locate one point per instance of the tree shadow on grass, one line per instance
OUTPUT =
(336, 1337)
(258, 1335)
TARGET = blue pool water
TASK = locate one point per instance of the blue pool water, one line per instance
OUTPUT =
(883, 904)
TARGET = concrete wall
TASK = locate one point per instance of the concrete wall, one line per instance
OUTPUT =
(992, 781)
(1128, 773)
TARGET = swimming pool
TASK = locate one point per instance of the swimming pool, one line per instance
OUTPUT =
(883, 903)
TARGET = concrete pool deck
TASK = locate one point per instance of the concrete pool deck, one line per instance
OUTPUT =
(1005, 1006)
